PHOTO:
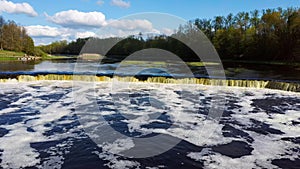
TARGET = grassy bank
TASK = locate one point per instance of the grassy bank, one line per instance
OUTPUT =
(10, 55)
(6, 55)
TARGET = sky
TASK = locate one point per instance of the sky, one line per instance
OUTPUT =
(52, 20)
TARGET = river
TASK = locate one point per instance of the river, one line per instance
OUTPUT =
(116, 125)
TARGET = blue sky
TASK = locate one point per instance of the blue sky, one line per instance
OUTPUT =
(50, 20)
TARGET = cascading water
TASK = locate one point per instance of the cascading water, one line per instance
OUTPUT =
(279, 85)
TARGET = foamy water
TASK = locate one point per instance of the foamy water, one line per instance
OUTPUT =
(54, 124)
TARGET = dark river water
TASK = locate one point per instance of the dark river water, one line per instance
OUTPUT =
(232, 70)
(59, 124)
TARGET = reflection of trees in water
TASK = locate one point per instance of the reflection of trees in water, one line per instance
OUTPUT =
(17, 65)
(261, 71)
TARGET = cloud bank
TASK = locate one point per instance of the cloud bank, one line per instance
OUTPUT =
(88, 20)
(43, 31)
(46, 34)
(73, 24)
(77, 19)
(17, 8)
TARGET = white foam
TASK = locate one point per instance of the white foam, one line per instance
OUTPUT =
(17, 152)
(158, 167)
(187, 123)
(118, 146)
(266, 147)
(284, 122)
(265, 150)
(9, 110)
(116, 163)
(16, 148)
(53, 162)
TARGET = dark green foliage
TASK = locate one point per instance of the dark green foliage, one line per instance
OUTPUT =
(39, 52)
(63, 47)
(74, 47)
(15, 38)
(270, 35)
(133, 44)
(58, 47)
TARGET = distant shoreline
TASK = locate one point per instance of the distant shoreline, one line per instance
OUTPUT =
(14, 56)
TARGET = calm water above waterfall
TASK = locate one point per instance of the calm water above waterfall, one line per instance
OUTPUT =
(232, 70)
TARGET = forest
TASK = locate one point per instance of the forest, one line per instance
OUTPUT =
(267, 35)
(272, 34)
(15, 38)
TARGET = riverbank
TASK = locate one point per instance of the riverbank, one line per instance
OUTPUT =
(6, 55)
(57, 57)
(10, 55)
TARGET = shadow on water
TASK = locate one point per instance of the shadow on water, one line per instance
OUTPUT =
(262, 71)
(9, 66)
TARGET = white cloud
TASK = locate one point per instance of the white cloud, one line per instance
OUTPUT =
(120, 3)
(86, 34)
(77, 19)
(43, 31)
(17, 8)
(47, 34)
(167, 31)
(100, 2)
(85, 20)
(126, 27)
(135, 24)
(76, 28)
(115, 33)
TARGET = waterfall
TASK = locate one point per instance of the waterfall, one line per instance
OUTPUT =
(286, 86)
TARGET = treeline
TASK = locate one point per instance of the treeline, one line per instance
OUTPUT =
(63, 47)
(123, 48)
(268, 35)
(15, 38)
(272, 34)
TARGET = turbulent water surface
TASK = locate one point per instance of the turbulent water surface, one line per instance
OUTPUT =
(40, 125)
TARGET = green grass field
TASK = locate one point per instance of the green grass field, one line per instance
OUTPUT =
(6, 55)
(10, 55)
